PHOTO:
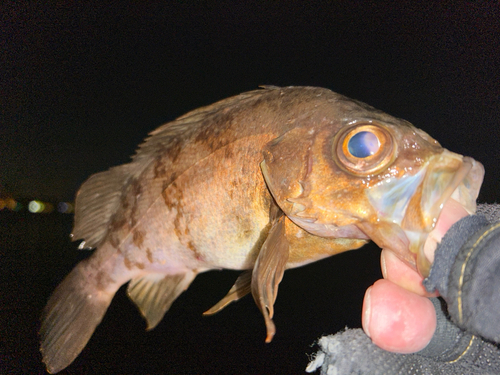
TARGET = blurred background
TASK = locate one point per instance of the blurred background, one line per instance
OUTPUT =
(82, 85)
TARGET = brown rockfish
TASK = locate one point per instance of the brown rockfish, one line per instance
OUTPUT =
(264, 181)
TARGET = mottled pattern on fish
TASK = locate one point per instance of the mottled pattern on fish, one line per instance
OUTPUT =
(256, 182)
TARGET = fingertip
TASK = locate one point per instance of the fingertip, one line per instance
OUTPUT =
(398, 320)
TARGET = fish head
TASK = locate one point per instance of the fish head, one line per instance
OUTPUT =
(364, 174)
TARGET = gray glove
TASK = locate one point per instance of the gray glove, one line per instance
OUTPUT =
(467, 260)
(466, 272)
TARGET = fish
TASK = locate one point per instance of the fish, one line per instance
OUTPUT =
(261, 182)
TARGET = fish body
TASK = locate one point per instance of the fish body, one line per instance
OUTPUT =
(261, 182)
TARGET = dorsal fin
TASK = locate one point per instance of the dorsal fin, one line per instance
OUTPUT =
(190, 124)
(96, 201)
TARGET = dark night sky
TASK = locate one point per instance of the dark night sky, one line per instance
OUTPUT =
(83, 85)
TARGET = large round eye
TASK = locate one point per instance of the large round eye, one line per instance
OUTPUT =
(364, 148)
(363, 144)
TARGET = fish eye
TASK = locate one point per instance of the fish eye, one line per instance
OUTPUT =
(363, 144)
(364, 148)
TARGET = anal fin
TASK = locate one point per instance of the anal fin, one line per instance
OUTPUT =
(154, 294)
(269, 269)
(240, 289)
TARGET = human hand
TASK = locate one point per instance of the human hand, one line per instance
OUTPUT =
(397, 314)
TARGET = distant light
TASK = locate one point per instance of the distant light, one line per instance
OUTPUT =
(49, 207)
(11, 204)
(36, 207)
(65, 207)
(39, 207)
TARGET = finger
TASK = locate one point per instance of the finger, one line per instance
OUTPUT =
(397, 320)
(397, 271)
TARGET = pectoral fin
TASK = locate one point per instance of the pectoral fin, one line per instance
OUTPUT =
(154, 294)
(240, 289)
(268, 271)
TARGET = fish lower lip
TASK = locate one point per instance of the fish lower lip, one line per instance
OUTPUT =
(452, 212)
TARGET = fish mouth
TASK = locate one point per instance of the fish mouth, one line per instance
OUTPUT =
(462, 186)
(449, 194)
(414, 212)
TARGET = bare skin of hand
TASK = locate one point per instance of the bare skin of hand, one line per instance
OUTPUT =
(397, 313)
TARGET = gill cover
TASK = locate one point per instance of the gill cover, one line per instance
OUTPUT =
(286, 167)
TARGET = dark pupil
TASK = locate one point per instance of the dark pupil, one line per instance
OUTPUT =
(363, 144)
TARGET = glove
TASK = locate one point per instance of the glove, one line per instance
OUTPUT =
(451, 351)
(466, 272)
